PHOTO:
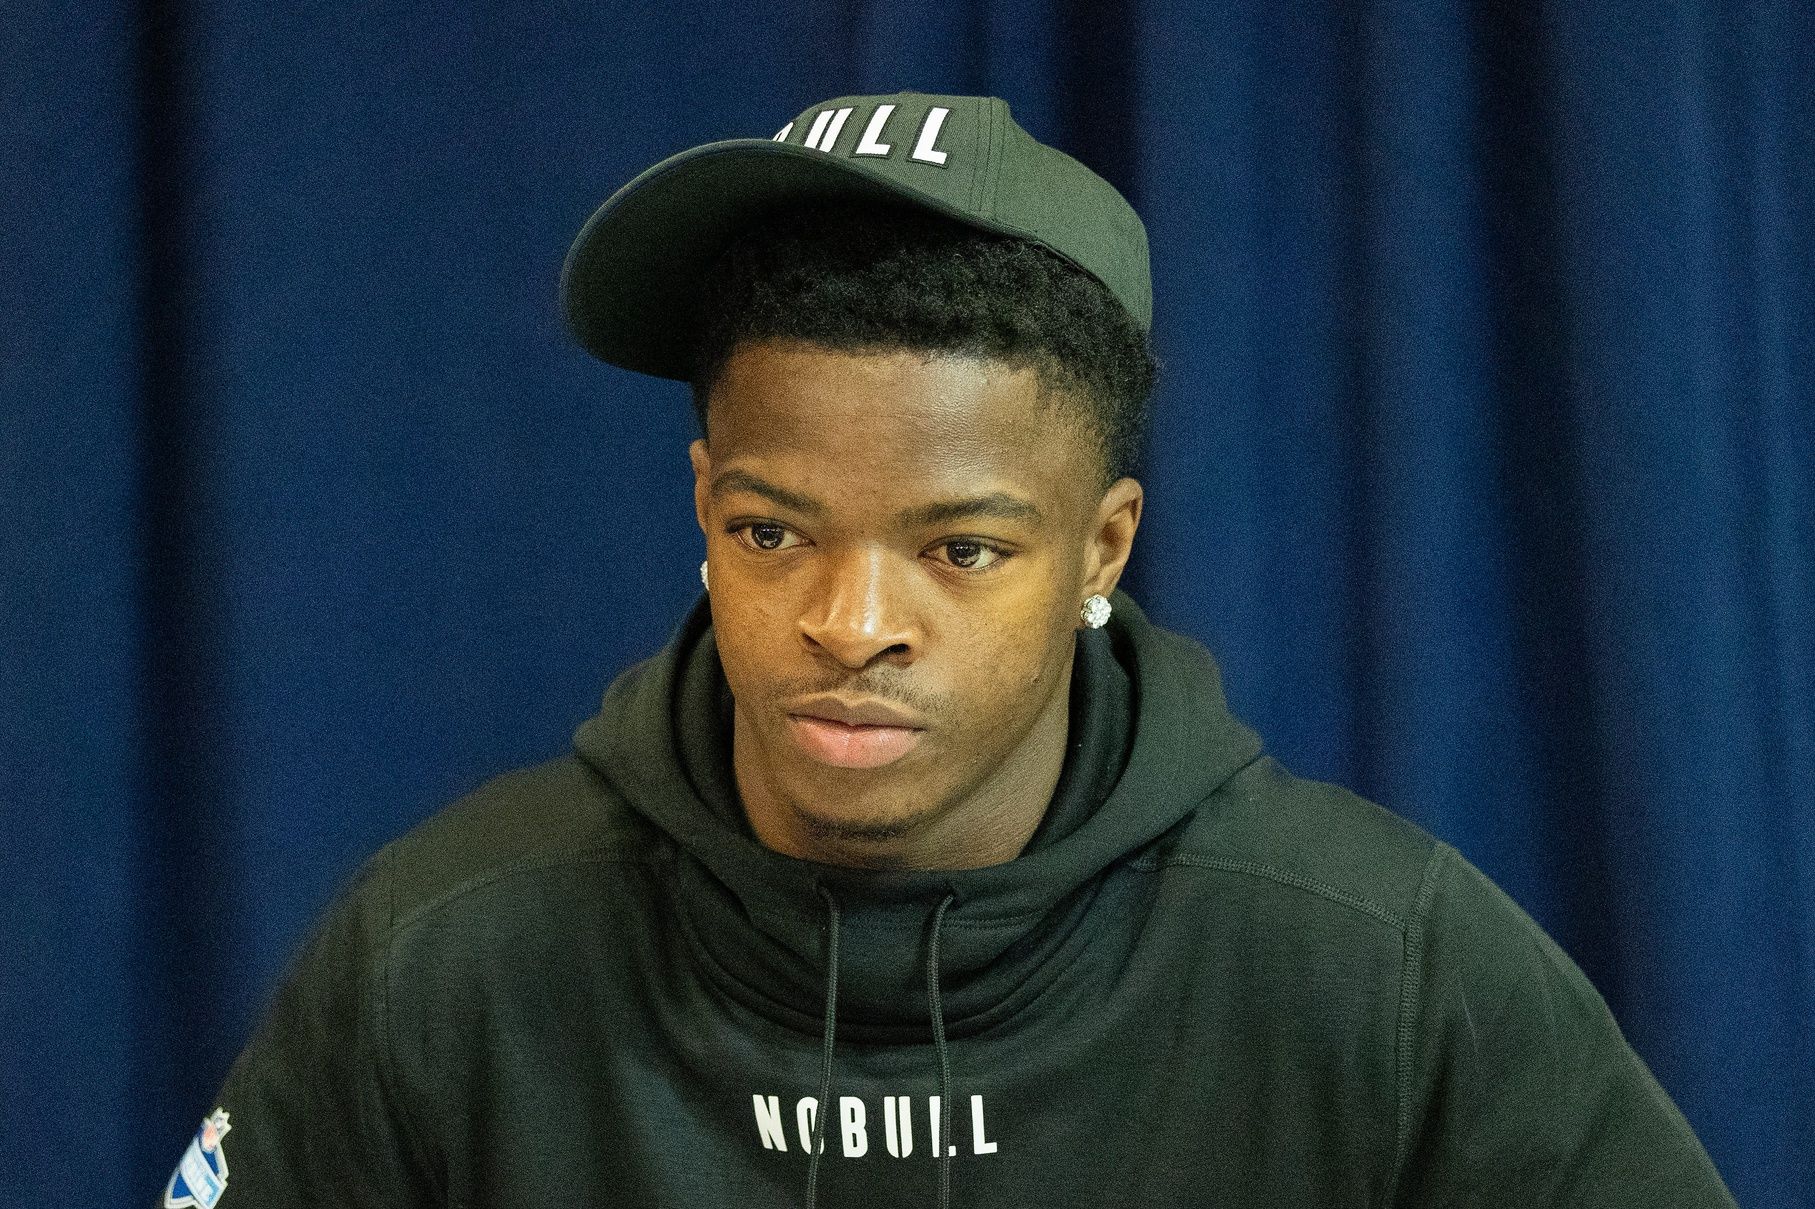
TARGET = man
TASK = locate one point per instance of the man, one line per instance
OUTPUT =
(920, 868)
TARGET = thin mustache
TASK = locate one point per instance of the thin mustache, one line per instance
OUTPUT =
(929, 705)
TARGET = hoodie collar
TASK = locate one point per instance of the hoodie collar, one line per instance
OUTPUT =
(1150, 738)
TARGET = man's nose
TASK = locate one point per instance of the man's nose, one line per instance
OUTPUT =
(860, 611)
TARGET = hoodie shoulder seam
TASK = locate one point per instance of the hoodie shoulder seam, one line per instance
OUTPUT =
(1411, 1009)
(1284, 877)
(598, 855)
(387, 1065)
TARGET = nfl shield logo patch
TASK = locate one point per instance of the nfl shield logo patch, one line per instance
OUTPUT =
(201, 1176)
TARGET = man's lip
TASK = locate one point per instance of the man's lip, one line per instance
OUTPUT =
(863, 712)
(842, 745)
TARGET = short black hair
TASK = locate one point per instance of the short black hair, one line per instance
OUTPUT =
(862, 276)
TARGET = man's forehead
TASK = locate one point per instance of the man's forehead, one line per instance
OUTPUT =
(922, 504)
(785, 393)
(894, 429)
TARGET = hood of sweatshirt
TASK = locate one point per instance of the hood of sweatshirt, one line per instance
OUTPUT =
(1150, 738)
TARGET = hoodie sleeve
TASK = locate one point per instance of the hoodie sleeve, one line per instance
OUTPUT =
(309, 1115)
(1517, 1087)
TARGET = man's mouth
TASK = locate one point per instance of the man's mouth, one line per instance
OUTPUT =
(848, 745)
(853, 733)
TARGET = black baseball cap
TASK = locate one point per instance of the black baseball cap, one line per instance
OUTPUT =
(628, 288)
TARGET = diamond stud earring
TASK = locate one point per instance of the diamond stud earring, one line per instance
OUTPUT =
(1095, 612)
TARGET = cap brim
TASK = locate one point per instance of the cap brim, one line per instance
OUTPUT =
(629, 285)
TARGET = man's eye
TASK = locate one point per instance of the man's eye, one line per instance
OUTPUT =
(766, 535)
(971, 555)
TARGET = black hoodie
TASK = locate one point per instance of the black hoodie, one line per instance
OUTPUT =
(1205, 982)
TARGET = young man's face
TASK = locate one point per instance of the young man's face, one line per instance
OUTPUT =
(899, 544)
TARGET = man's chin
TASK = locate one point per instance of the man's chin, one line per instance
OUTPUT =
(857, 831)
(851, 819)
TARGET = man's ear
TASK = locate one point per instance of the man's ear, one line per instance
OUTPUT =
(702, 480)
(1112, 536)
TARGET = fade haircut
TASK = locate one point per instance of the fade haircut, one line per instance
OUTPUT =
(859, 277)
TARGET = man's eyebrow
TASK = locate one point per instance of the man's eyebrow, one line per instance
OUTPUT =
(997, 505)
(743, 480)
(994, 505)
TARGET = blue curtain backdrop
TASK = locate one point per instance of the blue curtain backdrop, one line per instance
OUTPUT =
(1484, 460)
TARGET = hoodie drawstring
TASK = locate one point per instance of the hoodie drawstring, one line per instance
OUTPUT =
(825, 1057)
(935, 1005)
(937, 1008)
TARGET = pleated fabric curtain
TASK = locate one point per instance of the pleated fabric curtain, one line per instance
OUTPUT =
(1484, 459)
